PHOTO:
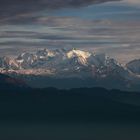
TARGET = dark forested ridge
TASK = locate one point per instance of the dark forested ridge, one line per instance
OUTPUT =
(24, 103)
(78, 104)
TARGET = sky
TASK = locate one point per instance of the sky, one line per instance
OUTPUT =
(103, 26)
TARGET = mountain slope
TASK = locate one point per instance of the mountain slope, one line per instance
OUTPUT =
(8, 83)
(134, 66)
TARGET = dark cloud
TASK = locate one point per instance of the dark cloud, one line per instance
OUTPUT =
(25, 8)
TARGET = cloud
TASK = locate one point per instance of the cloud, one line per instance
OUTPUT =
(10, 9)
(116, 38)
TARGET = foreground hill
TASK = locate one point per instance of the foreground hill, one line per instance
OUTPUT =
(69, 105)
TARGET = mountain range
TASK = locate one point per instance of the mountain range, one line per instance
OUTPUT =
(63, 68)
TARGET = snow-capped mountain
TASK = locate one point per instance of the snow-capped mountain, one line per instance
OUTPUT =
(70, 64)
(60, 60)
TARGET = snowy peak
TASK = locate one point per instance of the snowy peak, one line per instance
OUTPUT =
(134, 66)
(8, 63)
(78, 53)
(55, 58)
(45, 53)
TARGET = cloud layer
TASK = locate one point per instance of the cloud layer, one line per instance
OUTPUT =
(12, 8)
(117, 38)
